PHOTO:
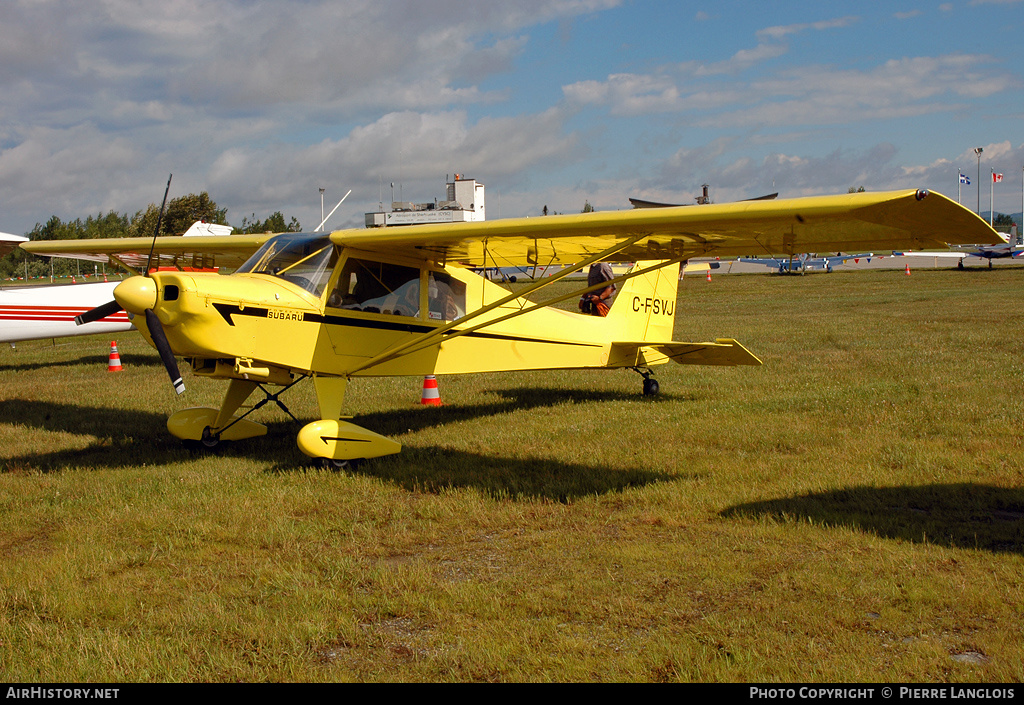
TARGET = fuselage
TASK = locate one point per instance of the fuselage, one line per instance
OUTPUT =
(303, 305)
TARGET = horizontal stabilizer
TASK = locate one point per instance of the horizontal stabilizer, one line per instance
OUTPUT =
(724, 351)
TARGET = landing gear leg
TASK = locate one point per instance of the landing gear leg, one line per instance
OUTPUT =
(238, 391)
(336, 443)
(650, 384)
(211, 426)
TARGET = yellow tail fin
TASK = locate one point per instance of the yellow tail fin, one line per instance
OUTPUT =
(645, 306)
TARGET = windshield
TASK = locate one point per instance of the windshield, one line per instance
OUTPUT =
(302, 259)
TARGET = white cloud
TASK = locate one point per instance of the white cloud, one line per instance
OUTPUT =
(780, 32)
(808, 95)
(51, 166)
(898, 88)
(261, 102)
(413, 149)
(98, 99)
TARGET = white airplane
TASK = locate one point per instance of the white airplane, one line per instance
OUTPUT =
(8, 242)
(989, 252)
(41, 312)
(800, 264)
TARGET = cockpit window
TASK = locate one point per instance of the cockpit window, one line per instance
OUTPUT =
(376, 287)
(394, 290)
(446, 296)
(303, 259)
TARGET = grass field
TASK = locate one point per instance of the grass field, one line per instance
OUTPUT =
(852, 511)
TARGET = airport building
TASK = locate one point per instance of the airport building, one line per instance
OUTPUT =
(464, 203)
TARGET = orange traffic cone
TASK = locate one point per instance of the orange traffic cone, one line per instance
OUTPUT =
(114, 364)
(908, 269)
(430, 394)
(709, 275)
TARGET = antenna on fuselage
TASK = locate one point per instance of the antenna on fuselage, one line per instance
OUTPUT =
(317, 228)
(159, 220)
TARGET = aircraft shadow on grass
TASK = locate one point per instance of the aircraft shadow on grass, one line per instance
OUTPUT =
(955, 516)
(98, 361)
(131, 438)
(415, 418)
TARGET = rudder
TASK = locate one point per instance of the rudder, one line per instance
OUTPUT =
(645, 306)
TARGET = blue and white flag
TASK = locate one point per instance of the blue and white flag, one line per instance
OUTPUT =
(964, 179)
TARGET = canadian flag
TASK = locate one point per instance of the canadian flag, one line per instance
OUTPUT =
(996, 178)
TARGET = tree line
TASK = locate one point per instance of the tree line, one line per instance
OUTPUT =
(178, 216)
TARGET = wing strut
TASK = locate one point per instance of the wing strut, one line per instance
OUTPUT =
(117, 262)
(427, 339)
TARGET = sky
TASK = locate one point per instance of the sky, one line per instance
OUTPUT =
(261, 103)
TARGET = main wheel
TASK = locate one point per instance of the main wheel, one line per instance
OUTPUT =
(209, 439)
(341, 465)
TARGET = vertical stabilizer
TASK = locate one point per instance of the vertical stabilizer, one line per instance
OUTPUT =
(645, 306)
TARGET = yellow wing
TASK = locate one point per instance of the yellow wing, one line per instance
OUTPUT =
(857, 222)
(132, 252)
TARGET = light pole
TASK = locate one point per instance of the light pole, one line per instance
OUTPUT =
(978, 150)
(321, 205)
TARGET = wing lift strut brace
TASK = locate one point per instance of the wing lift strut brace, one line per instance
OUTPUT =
(429, 339)
(211, 437)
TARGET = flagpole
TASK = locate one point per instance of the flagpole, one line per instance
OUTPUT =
(991, 197)
(959, 182)
(978, 151)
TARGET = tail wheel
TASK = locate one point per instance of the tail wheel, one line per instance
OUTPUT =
(650, 387)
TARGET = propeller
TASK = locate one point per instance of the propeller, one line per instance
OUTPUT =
(138, 295)
(95, 314)
(156, 331)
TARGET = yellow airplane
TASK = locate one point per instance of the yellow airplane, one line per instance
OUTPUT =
(404, 301)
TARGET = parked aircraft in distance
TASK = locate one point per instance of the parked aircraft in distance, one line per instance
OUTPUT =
(701, 200)
(801, 263)
(990, 252)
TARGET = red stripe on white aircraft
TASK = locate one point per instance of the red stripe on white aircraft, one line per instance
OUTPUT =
(52, 313)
